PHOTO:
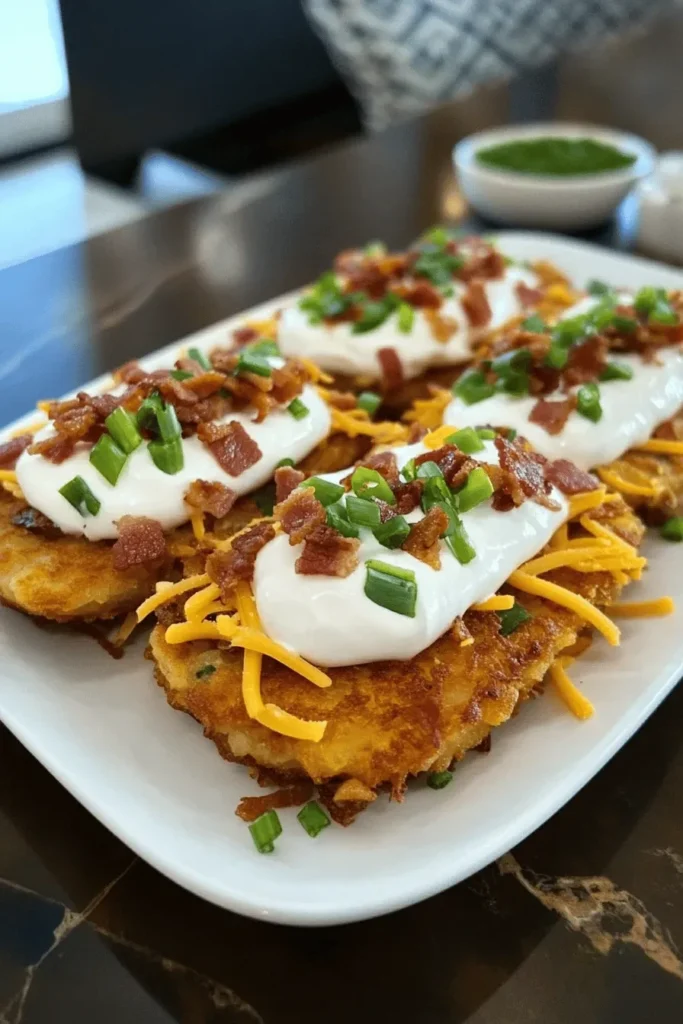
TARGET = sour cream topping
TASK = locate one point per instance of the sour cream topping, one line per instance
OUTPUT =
(338, 350)
(331, 622)
(631, 409)
(144, 490)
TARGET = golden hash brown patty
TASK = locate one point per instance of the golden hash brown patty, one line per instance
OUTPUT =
(387, 720)
(67, 578)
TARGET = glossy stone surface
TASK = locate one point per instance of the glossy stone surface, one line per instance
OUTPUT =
(583, 922)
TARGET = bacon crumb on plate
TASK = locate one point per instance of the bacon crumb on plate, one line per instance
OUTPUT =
(214, 498)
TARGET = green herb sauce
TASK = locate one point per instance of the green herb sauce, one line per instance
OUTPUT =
(555, 156)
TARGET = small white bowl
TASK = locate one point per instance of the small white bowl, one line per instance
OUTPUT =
(543, 200)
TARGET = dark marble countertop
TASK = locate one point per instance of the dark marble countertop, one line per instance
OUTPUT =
(582, 922)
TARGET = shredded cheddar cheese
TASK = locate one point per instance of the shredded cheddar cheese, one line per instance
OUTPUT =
(428, 412)
(497, 603)
(566, 599)
(438, 437)
(182, 632)
(198, 528)
(251, 669)
(125, 629)
(589, 499)
(316, 375)
(167, 591)
(658, 444)
(197, 605)
(353, 425)
(619, 483)
(8, 476)
(659, 606)
(264, 328)
(590, 558)
(275, 718)
(467, 642)
(598, 530)
(30, 428)
(570, 694)
(253, 640)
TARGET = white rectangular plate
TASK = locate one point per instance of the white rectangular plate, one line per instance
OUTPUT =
(103, 728)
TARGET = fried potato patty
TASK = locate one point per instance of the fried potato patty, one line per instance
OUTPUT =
(66, 578)
(392, 719)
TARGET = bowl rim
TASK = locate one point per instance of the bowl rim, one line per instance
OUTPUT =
(465, 150)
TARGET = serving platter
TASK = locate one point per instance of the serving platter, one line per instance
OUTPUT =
(104, 730)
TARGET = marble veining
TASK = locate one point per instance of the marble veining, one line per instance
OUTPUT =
(590, 903)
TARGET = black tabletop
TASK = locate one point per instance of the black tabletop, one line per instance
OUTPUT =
(579, 923)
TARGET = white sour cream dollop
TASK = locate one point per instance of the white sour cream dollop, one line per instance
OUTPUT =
(144, 490)
(338, 350)
(331, 622)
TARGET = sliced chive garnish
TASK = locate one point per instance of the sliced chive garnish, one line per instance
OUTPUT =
(374, 313)
(253, 362)
(435, 492)
(535, 324)
(393, 532)
(437, 235)
(468, 440)
(264, 347)
(200, 357)
(406, 318)
(284, 462)
(369, 401)
(617, 371)
(477, 488)
(515, 382)
(588, 401)
(409, 471)
(391, 587)
(264, 499)
(368, 483)
(486, 434)
(204, 671)
(598, 288)
(167, 422)
(514, 359)
(663, 313)
(122, 427)
(512, 618)
(672, 529)
(312, 818)
(107, 458)
(457, 541)
(181, 374)
(298, 409)
(375, 249)
(338, 519)
(439, 780)
(265, 830)
(325, 491)
(472, 387)
(624, 324)
(437, 265)
(167, 455)
(362, 511)
(146, 417)
(78, 494)
(647, 298)
(427, 469)
(556, 357)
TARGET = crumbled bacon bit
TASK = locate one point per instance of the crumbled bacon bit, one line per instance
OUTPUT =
(243, 336)
(287, 479)
(326, 552)
(459, 631)
(342, 400)
(129, 373)
(214, 498)
(231, 446)
(299, 514)
(528, 296)
(141, 541)
(226, 568)
(552, 415)
(55, 449)
(423, 540)
(407, 496)
(367, 278)
(205, 383)
(12, 449)
(453, 463)
(482, 262)
(103, 405)
(421, 295)
(586, 361)
(528, 468)
(568, 478)
(288, 381)
(252, 807)
(391, 368)
(476, 304)
(383, 463)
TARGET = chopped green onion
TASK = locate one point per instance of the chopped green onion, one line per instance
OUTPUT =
(435, 492)
(485, 433)
(473, 387)
(601, 316)
(167, 455)
(556, 357)
(617, 371)
(511, 434)
(599, 288)
(338, 519)
(568, 332)
(536, 324)
(264, 499)
(438, 266)
(146, 416)
(107, 458)
(298, 409)
(375, 249)
(326, 299)
(437, 235)
(468, 440)
(284, 462)
(409, 471)
(448, 291)
(624, 324)
(514, 359)
(439, 780)
(200, 357)
(663, 313)
(204, 671)
(121, 426)
(78, 494)
(368, 483)
(515, 383)
(362, 511)
(457, 540)
(427, 469)
(373, 314)
(647, 298)
(512, 618)
(477, 488)
(264, 347)
(369, 402)
(313, 818)
(325, 491)
(251, 362)
(406, 318)
(588, 401)
(167, 422)
(672, 529)
(393, 532)
(265, 830)
(181, 374)
(391, 587)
